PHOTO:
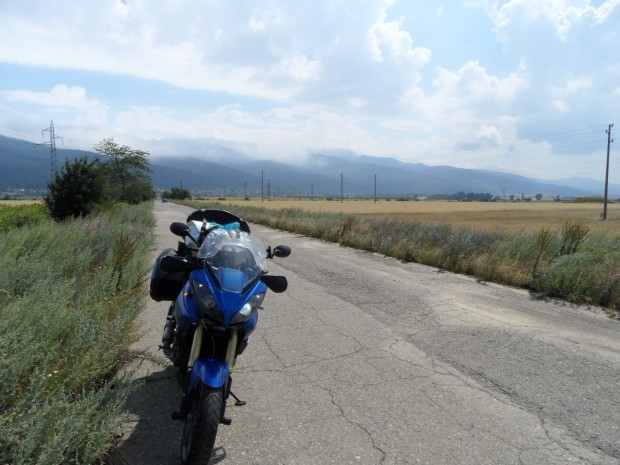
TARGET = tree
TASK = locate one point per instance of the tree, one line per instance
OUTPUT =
(539, 197)
(127, 172)
(75, 190)
(177, 193)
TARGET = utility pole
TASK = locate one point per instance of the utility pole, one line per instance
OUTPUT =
(52, 144)
(262, 185)
(609, 141)
(375, 187)
(311, 191)
(245, 191)
(269, 190)
(341, 187)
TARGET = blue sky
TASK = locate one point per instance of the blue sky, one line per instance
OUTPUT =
(525, 86)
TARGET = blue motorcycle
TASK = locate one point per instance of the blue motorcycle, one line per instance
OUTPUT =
(217, 280)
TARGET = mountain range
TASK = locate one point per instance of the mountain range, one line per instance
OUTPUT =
(25, 165)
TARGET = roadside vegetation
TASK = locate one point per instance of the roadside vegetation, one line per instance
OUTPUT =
(571, 263)
(176, 193)
(69, 295)
(14, 216)
(84, 185)
(71, 286)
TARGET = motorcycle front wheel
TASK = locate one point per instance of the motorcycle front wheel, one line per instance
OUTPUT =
(201, 425)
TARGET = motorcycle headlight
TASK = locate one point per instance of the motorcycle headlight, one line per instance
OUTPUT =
(248, 309)
(206, 302)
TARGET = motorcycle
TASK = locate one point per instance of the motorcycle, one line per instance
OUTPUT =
(217, 280)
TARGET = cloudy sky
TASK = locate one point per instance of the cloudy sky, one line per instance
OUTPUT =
(526, 86)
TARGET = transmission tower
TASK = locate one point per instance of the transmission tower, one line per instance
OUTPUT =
(52, 144)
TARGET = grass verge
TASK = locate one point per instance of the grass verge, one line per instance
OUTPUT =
(68, 302)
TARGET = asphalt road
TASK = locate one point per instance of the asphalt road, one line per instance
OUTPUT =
(367, 360)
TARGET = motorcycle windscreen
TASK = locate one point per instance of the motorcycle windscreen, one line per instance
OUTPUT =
(232, 280)
(235, 258)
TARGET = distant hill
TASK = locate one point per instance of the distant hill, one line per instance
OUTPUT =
(24, 165)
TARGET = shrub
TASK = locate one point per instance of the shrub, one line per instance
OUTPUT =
(75, 190)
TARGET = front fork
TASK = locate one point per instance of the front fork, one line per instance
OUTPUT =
(231, 349)
(231, 352)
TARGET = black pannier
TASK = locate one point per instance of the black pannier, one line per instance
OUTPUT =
(166, 286)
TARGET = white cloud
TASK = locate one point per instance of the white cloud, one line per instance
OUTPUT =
(469, 94)
(561, 106)
(488, 135)
(60, 95)
(579, 83)
(63, 98)
(561, 15)
(388, 39)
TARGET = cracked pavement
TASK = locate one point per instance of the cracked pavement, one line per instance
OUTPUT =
(367, 360)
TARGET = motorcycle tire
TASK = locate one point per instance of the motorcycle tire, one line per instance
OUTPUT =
(200, 426)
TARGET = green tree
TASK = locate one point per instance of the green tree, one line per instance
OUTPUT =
(75, 190)
(127, 172)
(539, 197)
(177, 193)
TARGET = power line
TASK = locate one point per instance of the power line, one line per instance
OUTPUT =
(512, 145)
(23, 136)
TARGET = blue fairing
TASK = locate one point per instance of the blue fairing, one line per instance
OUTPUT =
(229, 303)
(211, 372)
(187, 306)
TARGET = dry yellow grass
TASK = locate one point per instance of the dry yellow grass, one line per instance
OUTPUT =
(19, 202)
(507, 216)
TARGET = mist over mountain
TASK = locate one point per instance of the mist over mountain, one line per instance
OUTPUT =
(25, 165)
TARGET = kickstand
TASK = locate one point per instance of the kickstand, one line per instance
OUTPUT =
(238, 402)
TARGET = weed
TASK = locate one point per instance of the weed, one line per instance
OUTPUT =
(542, 241)
(574, 233)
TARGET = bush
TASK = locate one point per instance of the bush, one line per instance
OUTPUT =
(75, 190)
(177, 193)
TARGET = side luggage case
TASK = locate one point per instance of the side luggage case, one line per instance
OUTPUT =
(165, 286)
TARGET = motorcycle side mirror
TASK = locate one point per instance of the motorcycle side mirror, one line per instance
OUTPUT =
(179, 229)
(172, 264)
(276, 284)
(282, 251)
(279, 251)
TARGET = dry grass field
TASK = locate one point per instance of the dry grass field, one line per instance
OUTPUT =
(19, 202)
(506, 216)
